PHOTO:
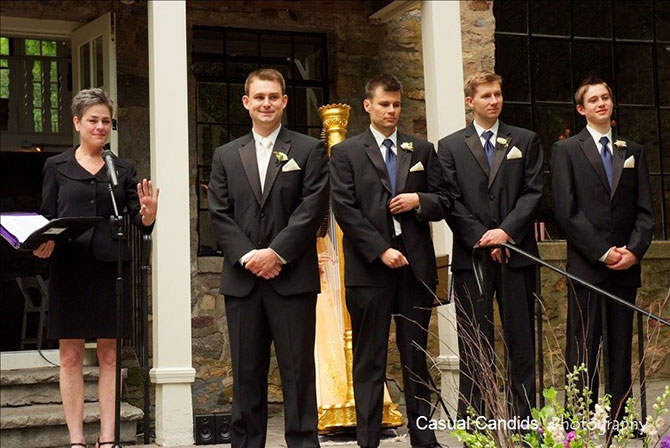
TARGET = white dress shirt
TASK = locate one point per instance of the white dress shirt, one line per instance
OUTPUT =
(379, 137)
(264, 147)
(480, 130)
(596, 138)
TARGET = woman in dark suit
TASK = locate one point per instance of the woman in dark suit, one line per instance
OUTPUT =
(82, 299)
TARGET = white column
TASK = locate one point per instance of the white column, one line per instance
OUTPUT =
(171, 275)
(445, 113)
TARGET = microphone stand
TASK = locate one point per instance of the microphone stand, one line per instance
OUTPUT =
(116, 221)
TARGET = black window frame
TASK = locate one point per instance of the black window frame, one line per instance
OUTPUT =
(662, 229)
(258, 61)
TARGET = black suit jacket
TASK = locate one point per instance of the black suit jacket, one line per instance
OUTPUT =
(285, 217)
(68, 190)
(506, 196)
(596, 217)
(361, 191)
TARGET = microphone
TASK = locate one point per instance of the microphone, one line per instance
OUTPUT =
(108, 157)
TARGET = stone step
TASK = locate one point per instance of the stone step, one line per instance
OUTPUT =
(43, 426)
(23, 387)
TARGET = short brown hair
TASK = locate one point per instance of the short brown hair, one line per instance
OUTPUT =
(590, 80)
(90, 97)
(388, 83)
(265, 74)
(476, 79)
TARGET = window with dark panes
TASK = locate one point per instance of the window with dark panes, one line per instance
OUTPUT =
(35, 94)
(221, 60)
(545, 48)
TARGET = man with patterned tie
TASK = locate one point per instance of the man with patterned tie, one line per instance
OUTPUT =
(386, 187)
(494, 173)
(602, 202)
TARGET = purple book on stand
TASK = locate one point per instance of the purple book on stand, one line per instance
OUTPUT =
(26, 231)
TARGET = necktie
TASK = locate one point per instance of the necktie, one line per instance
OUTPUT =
(264, 159)
(606, 156)
(489, 149)
(390, 163)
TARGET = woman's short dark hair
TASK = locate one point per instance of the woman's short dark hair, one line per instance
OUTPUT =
(90, 97)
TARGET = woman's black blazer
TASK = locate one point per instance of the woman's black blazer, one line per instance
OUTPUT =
(68, 190)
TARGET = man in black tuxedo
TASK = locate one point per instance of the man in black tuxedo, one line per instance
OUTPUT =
(386, 187)
(602, 202)
(267, 196)
(494, 172)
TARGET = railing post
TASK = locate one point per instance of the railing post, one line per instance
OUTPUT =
(605, 351)
(538, 333)
(146, 252)
(643, 374)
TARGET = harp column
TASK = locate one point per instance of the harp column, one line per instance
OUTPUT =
(445, 113)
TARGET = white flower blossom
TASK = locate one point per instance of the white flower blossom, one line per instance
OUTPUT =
(599, 419)
(653, 427)
(555, 428)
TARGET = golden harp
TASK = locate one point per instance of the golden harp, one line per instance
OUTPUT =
(333, 348)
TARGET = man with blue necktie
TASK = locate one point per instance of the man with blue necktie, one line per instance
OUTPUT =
(494, 172)
(602, 202)
(386, 187)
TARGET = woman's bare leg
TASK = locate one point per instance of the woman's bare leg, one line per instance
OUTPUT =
(72, 386)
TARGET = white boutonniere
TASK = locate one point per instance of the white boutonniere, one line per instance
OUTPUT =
(620, 144)
(281, 157)
(503, 141)
(407, 146)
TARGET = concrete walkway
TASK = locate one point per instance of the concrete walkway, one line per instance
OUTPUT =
(401, 439)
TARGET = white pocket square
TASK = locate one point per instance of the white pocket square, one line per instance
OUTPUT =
(515, 153)
(291, 165)
(630, 162)
(418, 166)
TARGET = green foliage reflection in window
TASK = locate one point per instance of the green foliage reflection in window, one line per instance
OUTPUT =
(4, 45)
(32, 47)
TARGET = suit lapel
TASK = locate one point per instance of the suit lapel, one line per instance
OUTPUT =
(404, 161)
(250, 164)
(500, 151)
(73, 170)
(619, 156)
(375, 155)
(282, 144)
(475, 145)
(591, 151)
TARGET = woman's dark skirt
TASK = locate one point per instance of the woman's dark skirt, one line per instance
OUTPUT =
(82, 300)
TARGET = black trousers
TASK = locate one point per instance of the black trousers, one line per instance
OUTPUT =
(371, 310)
(475, 335)
(254, 322)
(587, 313)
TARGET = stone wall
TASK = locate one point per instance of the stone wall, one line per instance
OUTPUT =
(654, 295)
(477, 33)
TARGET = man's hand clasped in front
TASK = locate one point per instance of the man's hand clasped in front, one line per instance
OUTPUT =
(264, 263)
(495, 236)
(620, 258)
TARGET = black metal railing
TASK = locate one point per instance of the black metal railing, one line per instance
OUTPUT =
(140, 248)
(478, 259)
